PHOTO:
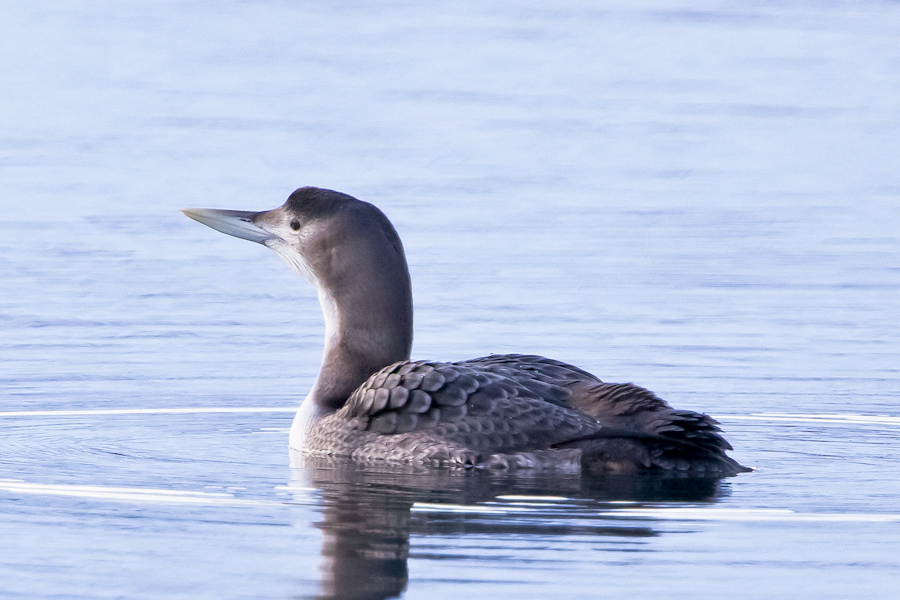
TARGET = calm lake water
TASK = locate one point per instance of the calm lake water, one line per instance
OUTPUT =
(699, 197)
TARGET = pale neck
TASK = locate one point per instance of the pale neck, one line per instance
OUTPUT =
(365, 330)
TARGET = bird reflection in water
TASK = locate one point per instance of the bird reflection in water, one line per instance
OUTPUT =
(368, 514)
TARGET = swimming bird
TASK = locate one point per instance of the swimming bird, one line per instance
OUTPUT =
(370, 403)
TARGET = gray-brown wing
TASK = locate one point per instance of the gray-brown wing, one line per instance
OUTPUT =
(483, 410)
(553, 380)
(623, 409)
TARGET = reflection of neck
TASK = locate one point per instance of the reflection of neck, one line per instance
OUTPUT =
(365, 547)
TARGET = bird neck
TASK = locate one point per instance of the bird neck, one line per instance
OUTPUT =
(366, 329)
(363, 334)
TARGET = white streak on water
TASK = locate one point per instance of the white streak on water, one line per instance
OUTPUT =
(268, 430)
(678, 514)
(126, 494)
(816, 418)
(148, 411)
(478, 509)
(748, 515)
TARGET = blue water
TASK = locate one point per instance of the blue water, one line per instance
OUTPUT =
(701, 198)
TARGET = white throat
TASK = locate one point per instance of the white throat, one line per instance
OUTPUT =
(309, 413)
(306, 418)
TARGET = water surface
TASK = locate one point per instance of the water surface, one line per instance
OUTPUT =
(697, 197)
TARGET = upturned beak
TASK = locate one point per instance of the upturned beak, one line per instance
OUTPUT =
(238, 223)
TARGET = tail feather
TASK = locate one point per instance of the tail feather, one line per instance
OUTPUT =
(642, 430)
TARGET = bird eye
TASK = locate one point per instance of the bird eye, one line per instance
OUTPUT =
(295, 225)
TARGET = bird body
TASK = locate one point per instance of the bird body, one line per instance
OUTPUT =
(371, 404)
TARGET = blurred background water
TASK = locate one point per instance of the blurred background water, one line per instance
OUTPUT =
(700, 197)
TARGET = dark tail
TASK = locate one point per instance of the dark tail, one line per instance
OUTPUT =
(642, 432)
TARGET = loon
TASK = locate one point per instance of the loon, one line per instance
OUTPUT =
(371, 404)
